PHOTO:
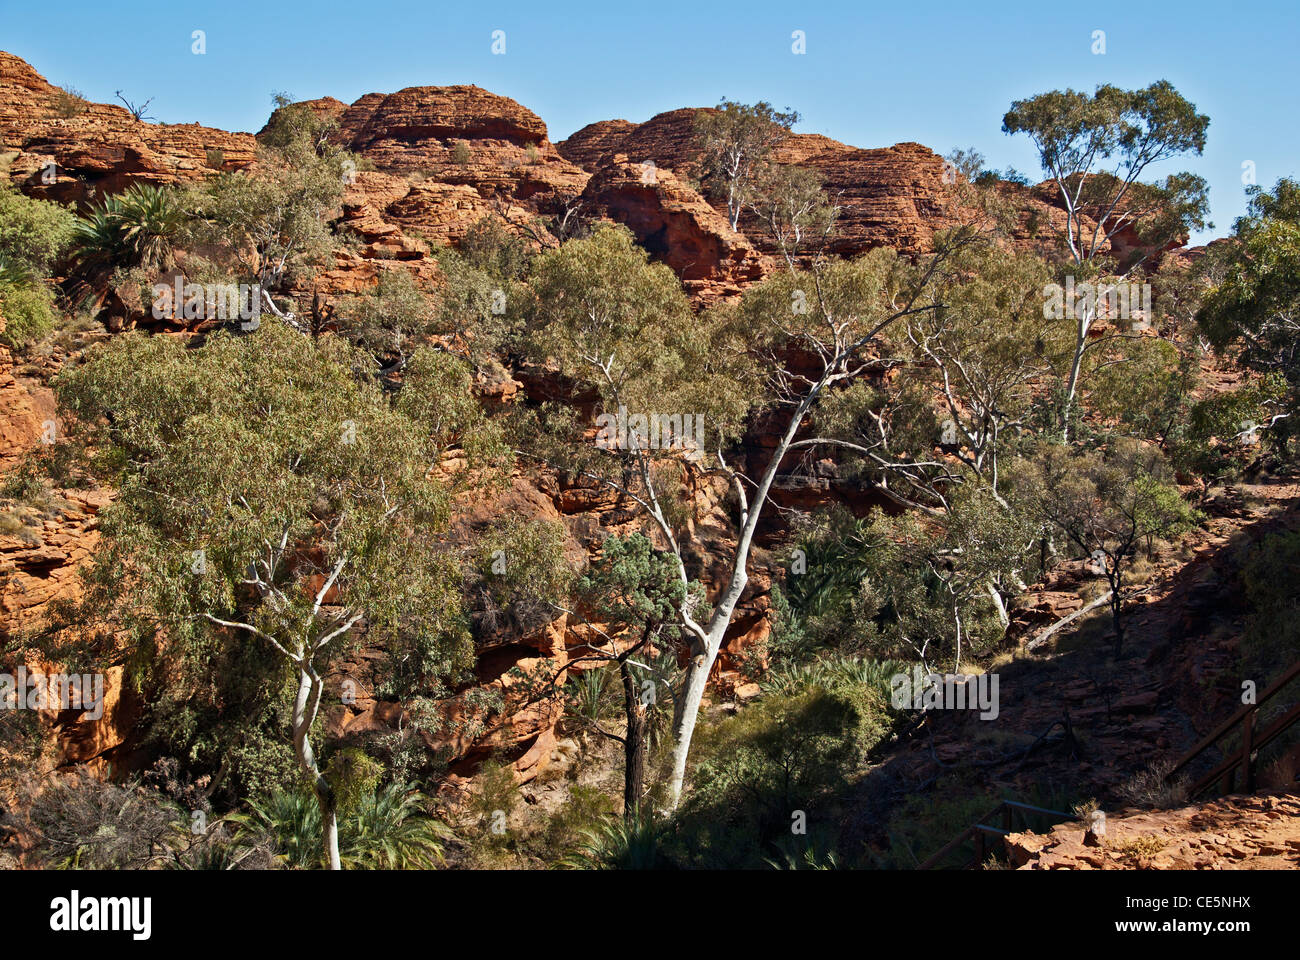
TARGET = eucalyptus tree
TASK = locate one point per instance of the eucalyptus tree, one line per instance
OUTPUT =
(1095, 149)
(734, 141)
(269, 224)
(621, 329)
(634, 595)
(1107, 503)
(963, 383)
(270, 501)
(1253, 312)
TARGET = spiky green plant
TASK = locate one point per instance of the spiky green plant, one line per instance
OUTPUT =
(388, 830)
(832, 671)
(616, 844)
(588, 694)
(385, 830)
(135, 228)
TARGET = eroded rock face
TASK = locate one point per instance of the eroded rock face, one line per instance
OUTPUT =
(893, 196)
(98, 148)
(25, 410)
(462, 136)
(888, 196)
(677, 226)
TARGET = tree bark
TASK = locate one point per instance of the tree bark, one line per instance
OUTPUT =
(634, 746)
(305, 706)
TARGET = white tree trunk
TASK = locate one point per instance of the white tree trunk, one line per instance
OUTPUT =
(305, 706)
(697, 672)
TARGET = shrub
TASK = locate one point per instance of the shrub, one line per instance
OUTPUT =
(28, 312)
(33, 234)
(384, 830)
(68, 102)
(460, 153)
(782, 754)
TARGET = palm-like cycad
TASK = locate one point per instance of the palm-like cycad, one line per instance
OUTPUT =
(135, 228)
(386, 830)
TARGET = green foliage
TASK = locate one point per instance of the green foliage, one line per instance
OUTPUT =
(734, 140)
(896, 586)
(616, 844)
(778, 755)
(1144, 389)
(391, 319)
(791, 203)
(1097, 146)
(589, 694)
(68, 103)
(833, 672)
(1249, 314)
(317, 476)
(33, 234)
(633, 584)
(523, 572)
(1223, 431)
(587, 807)
(135, 228)
(269, 224)
(495, 797)
(599, 299)
(481, 301)
(437, 394)
(1108, 504)
(352, 775)
(28, 311)
(492, 247)
(385, 829)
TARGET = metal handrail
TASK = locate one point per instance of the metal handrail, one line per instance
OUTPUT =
(1251, 740)
(979, 830)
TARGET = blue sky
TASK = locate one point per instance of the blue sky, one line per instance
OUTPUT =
(937, 72)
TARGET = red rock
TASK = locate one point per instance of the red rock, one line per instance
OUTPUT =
(102, 149)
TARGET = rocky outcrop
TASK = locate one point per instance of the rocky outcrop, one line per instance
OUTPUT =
(1259, 832)
(59, 147)
(888, 196)
(893, 196)
(25, 409)
(458, 137)
(677, 226)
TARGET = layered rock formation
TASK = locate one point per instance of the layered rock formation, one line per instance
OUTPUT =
(890, 196)
(56, 146)
(894, 196)
(677, 226)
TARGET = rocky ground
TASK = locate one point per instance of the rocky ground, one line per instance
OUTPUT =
(1078, 724)
(1259, 832)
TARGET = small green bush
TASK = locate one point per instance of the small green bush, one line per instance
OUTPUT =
(29, 314)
